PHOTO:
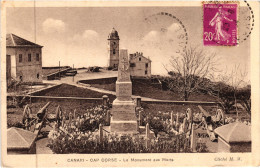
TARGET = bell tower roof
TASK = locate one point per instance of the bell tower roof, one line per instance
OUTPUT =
(113, 35)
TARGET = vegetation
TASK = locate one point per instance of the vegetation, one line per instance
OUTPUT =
(89, 142)
(188, 70)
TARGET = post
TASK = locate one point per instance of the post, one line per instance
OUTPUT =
(81, 121)
(108, 117)
(190, 117)
(100, 133)
(184, 125)
(105, 100)
(147, 136)
(63, 121)
(56, 127)
(137, 126)
(73, 75)
(193, 139)
(171, 118)
(177, 121)
(140, 118)
(74, 116)
(138, 101)
(59, 69)
(70, 118)
(78, 121)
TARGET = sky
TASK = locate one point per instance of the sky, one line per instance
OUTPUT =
(78, 35)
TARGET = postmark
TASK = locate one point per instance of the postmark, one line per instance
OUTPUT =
(181, 34)
(220, 24)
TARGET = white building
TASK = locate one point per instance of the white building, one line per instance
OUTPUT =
(23, 60)
(139, 65)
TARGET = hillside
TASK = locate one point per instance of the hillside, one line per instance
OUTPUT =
(147, 88)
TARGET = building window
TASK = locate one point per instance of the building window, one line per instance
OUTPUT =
(114, 51)
(140, 58)
(29, 57)
(20, 58)
(132, 64)
(145, 72)
(21, 78)
(38, 75)
(146, 65)
(37, 57)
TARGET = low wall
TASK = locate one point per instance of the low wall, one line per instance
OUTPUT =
(44, 90)
(99, 81)
(181, 102)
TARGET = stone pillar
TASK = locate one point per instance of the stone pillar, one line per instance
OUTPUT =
(70, 118)
(140, 118)
(138, 101)
(105, 100)
(123, 108)
(147, 136)
(193, 139)
(74, 116)
(177, 119)
(63, 121)
(190, 117)
(100, 133)
(108, 117)
(171, 118)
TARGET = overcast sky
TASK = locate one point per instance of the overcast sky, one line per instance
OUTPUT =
(79, 35)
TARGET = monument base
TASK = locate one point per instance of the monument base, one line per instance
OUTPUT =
(123, 117)
(140, 132)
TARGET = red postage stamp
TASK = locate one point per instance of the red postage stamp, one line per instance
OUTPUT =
(220, 24)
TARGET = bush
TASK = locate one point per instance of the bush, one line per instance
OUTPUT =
(62, 143)
(14, 124)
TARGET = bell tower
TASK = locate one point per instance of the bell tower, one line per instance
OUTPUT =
(113, 49)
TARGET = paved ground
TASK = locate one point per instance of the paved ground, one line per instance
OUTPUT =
(42, 142)
(212, 147)
(84, 75)
(41, 146)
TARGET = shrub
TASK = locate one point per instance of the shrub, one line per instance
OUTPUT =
(63, 143)
(14, 124)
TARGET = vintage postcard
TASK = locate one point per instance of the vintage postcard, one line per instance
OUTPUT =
(130, 84)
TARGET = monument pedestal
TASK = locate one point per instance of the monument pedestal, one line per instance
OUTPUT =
(123, 117)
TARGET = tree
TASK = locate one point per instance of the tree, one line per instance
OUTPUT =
(232, 89)
(189, 70)
(244, 95)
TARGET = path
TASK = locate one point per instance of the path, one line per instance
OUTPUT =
(212, 147)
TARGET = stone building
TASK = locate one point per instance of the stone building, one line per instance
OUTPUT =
(113, 49)
(23, 60)
(139, 65)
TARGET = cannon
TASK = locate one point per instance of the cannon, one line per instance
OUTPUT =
(212, 122)
(36, 122)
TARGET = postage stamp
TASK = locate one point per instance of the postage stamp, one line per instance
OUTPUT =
(220, 24)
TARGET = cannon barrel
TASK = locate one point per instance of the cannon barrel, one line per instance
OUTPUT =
(42, 111)
(205, 113)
